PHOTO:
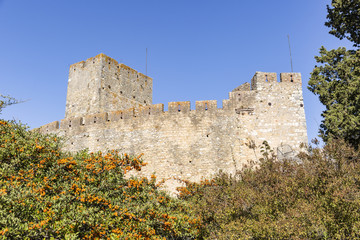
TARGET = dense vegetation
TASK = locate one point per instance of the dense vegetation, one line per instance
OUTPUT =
(336, 80)
(315, 197)
(48, 194)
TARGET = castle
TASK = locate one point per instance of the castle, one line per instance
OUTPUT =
(109, 106)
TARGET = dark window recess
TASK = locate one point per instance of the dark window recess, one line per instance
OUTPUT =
(109, 87)
(133, 97)
(120, 92)
(266, 79)
(206, 106)
(269, 103)
(179, 108)
(301, 105)
(291, 79)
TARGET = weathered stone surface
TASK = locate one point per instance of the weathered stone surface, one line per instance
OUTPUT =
(179, 143)
(101, 84)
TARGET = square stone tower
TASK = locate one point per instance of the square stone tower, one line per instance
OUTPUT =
(101, 84)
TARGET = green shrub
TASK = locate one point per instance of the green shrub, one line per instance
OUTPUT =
(315, 197)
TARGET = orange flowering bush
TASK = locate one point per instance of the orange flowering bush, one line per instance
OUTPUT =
(49, 194)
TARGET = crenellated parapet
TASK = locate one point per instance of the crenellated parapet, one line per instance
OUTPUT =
(264, 79)
(109, 106)
(243, 100)
(107, 118)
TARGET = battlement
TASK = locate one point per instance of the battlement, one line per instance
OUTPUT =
(262, 79)
(109, 106)
(242, 100)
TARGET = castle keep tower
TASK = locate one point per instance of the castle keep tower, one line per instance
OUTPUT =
(101, 84)
(109, 106)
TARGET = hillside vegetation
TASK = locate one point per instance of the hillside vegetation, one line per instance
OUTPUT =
(315, 197)
(46, 193)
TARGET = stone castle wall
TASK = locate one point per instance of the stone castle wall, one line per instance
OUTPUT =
(191, 144)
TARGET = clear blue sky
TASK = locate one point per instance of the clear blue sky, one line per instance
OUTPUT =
(197, 49)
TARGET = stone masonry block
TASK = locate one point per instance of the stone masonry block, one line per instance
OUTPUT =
(175, 107)
(115, 116)
(209, 105)
(157, 109)
(261, 78)
(144, 111)
(69, 123)
(95, 119)
(290, 77)
(50, 127)
(226, 104)
(129, 113)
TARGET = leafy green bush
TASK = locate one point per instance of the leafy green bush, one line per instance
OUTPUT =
(48, 194)
(315, 197)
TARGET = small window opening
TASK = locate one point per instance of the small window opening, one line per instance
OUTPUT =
(72, 143)
(269, 103)
(109, 87)
(118, 66)
(120, 92)
(266, 78)
(133, 97)
(291, 78)
(74, 69)
(301, 105)
(137, 76)
(97, 140)
(145, 101)
(94, 119)
(179, 108)
(103, 88)
(207, 135)
(206, 106)
(190, 161)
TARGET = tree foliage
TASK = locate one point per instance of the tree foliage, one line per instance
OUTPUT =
(6, 101)
(344, 20)
(336, 80)
(316, 197)
(49, 194)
